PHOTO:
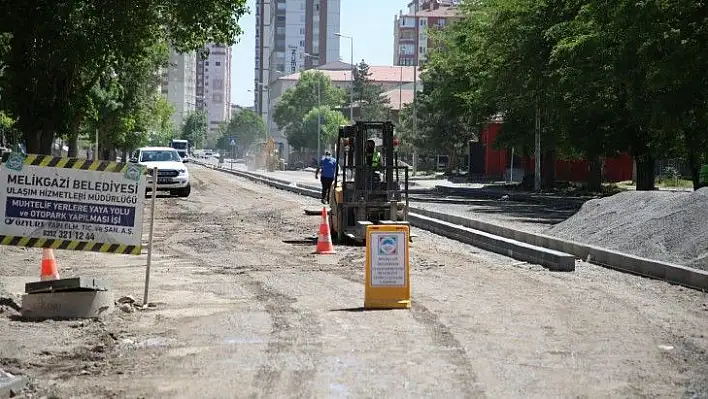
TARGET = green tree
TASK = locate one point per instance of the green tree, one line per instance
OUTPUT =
(162, 130)
(367, 95)
(58, 51)
(247, 128)
(195, 129)
(329, 120)
(313, 89)
(7, 133)
(124, 105)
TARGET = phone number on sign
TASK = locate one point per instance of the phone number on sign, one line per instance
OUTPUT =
(69, 235)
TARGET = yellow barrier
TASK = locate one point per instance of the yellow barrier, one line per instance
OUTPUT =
(387, 267)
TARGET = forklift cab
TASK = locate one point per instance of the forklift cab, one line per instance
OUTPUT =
(372, 188)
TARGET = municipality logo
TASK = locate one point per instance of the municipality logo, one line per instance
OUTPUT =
(133, 172)
(388, 245)
(15, 161)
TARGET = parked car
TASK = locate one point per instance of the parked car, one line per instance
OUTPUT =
(172, 174)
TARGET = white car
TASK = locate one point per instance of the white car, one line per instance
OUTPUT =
(172, 174)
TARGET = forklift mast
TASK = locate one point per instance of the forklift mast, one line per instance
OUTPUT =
(365, 194)
(351, 154)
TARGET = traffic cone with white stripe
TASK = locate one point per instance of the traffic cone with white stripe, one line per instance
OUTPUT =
(324, 238)
(49, 265)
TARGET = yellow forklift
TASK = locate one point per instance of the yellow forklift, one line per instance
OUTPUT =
(372, 188)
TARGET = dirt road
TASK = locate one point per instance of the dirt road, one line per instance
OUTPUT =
(244, 309)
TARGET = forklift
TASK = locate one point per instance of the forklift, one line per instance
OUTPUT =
(365, 193)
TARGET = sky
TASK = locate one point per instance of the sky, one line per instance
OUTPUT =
(372, 31)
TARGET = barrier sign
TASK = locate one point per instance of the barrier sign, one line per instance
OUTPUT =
(387, 267)
(75, 204)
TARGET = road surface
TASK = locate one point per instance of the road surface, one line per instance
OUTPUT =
(244, 309)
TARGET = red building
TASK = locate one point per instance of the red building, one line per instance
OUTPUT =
(492, 163)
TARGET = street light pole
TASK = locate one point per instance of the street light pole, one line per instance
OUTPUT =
(319, 120)
(319, 105)
(415, 81)
(351, 92)
(269, 118)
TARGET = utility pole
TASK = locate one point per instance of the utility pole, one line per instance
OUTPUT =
(537, 146)
(415, 81)
(351, 91)
(95, 150)
(319, 119)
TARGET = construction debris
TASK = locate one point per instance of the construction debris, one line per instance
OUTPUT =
(666, 226)
(11, 385)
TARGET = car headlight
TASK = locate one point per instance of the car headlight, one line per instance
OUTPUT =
(182, 171)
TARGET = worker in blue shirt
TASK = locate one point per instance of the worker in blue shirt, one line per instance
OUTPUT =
(328, 166)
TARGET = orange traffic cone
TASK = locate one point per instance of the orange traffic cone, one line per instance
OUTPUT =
(49, 265)
(324, 240)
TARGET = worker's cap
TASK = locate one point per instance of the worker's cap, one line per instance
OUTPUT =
(328, 153)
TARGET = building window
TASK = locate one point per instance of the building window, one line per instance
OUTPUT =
(407, 35)
(217, 97)
(218, 63)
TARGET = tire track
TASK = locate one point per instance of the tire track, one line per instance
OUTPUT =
(454, 351)
(293, 332)
(439, 332)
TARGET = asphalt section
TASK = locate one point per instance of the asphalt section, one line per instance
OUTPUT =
(244, 309)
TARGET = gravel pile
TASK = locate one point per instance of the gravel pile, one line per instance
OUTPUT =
(666, 226)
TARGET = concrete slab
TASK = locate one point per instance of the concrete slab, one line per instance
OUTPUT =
(66, 284)
(315, 211)
(11, 385)
(67, 305)
(548, 258)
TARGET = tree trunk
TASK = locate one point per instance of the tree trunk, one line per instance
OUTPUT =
(695, 166)
(595, 179)
(39, 142)
(73, 145)
(646, 174)
(548, 169)
(107, 154)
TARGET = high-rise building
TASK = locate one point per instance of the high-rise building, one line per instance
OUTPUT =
(292, 35)
(213, 86)
(431, 14)
(179, 85)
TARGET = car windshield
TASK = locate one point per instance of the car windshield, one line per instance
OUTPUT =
(159, 156)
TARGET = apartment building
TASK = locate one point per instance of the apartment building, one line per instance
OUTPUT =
(290, 36)
(213, 86)
(178, 85)
(431, 14)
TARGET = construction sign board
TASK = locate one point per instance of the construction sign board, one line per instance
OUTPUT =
(74, 204)
(387, 267)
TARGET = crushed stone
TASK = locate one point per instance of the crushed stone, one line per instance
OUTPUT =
(666, 226)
